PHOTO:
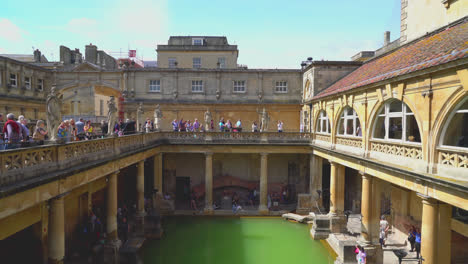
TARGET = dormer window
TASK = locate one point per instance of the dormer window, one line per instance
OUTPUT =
(197, 41)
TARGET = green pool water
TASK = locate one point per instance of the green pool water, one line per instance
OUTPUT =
(222, 240)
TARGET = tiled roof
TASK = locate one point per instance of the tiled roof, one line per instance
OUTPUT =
(436, 49)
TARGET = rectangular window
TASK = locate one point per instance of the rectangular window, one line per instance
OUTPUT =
(239, 86)
(197, 86)
(27, 82)
(196, 63)
(197, 41)
(172, 63)
(13, 80)
(101, 107)
(221, 63)
(40, 84)
(281, 87)
(155, 86)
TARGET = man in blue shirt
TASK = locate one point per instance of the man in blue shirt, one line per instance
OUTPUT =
(80, 129)
(417, 242)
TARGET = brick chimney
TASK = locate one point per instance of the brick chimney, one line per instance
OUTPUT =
(386, 38)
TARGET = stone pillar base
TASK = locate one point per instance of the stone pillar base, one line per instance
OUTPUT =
(140, 224)
(320, 228)
(111, 251)
(263, 210)
(338, 223)
(208, 211)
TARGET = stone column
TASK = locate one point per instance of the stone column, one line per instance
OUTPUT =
(337, 217)
(263, 208)
(430, 214)
(140, 214)
(44, 231)
(208, 183)
(157, 179)
(56, 239)
(444, 236)
(366, 208)
(315, 181)
(111, 249)
(376, 210)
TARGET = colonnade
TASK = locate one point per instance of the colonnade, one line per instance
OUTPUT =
(435, 225)
(56, 218)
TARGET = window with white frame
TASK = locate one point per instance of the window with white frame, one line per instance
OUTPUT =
(40, 84)
(13, 79)
(197, 86)
(197, 41)
(239, 86)
(155, 86)
(349, 124)
(396, 121)
(172, 63)
(455, 132)
(323, 124)
(196, 63)
(27, 82)
(222, 63)
(281, 87)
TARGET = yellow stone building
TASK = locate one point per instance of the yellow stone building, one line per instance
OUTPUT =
(385, 136)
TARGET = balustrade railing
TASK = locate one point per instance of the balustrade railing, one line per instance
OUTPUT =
(347, 141)
(407, 151)
(23, 163)
(453, 158)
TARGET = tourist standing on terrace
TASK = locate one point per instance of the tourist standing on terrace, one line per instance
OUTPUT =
(181, 125)
(280, 126)
(39, 132)
(221, 125)
(228, 127)
(239, 125)
(80, 129)
(254, 127)
(12, 132)
(148, 125)
(62, 132)
(175, 125)
(196, 125)
(23, 123)
(384, 226)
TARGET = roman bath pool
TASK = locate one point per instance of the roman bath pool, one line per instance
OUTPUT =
(237, 240)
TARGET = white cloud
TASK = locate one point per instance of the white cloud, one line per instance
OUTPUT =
(10, 32)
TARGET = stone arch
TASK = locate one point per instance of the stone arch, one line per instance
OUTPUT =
(445, 116)
(307, 90)
(337, 118)
(378, 107)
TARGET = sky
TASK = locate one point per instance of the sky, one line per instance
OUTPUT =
(269, 34)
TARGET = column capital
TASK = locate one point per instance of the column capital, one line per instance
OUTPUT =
(365, 175)
(208, 153)
(141, 162)
(427, 199)
(264, 154)
(332, 163)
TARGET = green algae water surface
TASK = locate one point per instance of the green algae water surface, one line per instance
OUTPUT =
(224, 240)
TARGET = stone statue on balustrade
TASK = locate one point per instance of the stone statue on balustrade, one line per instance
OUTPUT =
(140, 113)
(157, 118)
(54, 114)
(208, 119)
(111, 115)
(264, 121)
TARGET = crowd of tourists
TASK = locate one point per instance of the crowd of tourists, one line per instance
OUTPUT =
(222, 126)
(16, 133)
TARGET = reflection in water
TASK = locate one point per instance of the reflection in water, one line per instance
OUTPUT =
(213, 240)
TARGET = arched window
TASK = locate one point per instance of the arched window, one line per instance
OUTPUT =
(323, 124)
(455, 132)
(349, 124)
(396, 121)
